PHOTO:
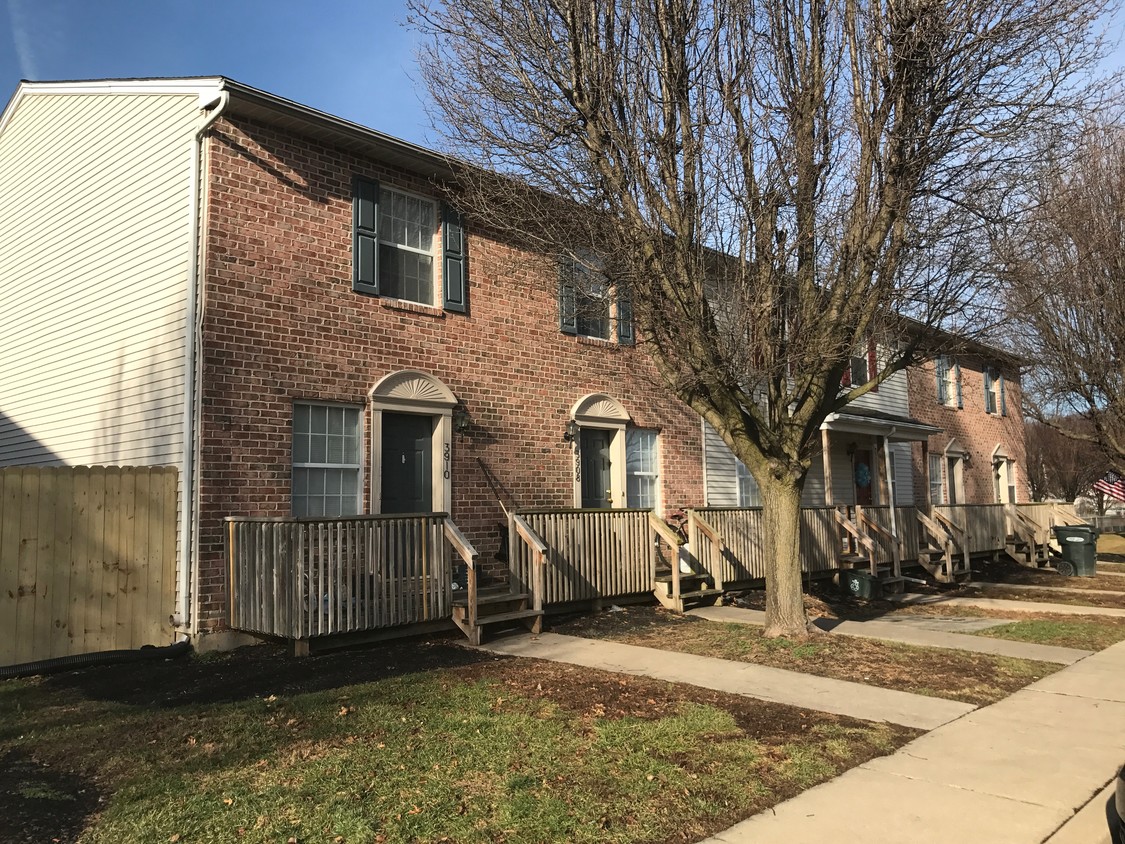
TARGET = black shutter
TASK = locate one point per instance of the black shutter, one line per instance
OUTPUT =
(568, 301)
(455, 263)
(1003, 396)
(625, 334)
(365, 236)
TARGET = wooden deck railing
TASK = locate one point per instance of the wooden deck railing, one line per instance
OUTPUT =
(537, 551)
(661, 532)
(300, 578)
(590, 554)
(984, 524)
(742, 555)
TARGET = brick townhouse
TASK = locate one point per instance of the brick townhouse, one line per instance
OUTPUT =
(278, 302)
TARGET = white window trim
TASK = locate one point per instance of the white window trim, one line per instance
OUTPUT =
(293, 464)
(657, 460)
(434, 252)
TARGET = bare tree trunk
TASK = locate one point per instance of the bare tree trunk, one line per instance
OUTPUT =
(785, 604)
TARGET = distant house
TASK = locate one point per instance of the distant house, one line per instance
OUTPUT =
(277, 302)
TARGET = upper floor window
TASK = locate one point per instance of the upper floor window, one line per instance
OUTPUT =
(947, 373)
(995, 400)
(326, 460)
(393, 247)
(589, 306)
(862, 367)
(640, 468)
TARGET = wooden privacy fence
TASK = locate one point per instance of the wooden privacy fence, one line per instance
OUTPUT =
(87, 559)
(300, 578)
(591, 554)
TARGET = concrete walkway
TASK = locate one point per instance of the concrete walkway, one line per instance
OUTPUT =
(905, 631)
(757, 681)
(1016, 772)
(1007, 605)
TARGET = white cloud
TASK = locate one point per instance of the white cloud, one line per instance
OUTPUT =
(21, 37)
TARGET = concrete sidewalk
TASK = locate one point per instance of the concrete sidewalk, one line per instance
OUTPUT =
(1016, 772)
(773, 684)
(924, 635)
(1012, 605)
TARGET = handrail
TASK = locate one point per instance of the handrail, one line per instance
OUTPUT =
(942, 535)
(897, 549)
(856, 531)
(666, 533)
(468, 553)
(539, 551)
(712, 535)
(661, 530)
(948, 523)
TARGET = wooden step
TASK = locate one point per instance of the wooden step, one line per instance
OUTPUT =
(462, 600)
(701, 593)
(516, 615)
(667, 578)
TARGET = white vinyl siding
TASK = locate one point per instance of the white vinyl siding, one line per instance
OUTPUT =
(891, 397)
(729, 482)
(843, 482)
(94, 255)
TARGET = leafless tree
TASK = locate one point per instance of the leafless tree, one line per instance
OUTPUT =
(1065, 264)
(1059, 464)
(777, 181)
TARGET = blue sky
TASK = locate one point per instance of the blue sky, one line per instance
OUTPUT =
(352, 58)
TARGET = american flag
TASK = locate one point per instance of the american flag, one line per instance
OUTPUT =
(1112, 485)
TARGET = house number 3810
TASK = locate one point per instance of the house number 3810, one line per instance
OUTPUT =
(445, 459)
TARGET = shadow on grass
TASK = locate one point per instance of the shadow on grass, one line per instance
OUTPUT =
(258, 671)
(40, 803)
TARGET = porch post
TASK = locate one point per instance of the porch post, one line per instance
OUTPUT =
(826, 458)
(925, 473)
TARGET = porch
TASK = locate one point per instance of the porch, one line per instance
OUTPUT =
(306, 579)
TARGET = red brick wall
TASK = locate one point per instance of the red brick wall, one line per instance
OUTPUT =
(281, 323)
(976, 431)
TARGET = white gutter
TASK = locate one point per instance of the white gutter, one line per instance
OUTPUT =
(189, 512)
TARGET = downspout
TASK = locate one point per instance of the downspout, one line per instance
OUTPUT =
(189, 571)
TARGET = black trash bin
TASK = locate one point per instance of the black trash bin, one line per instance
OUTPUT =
(860, 584)
(1079, 545)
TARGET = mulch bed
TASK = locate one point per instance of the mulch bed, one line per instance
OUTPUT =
(1007, 571)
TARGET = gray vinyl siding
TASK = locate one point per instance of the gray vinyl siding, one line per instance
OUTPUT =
(891, 397)
(94, 260)
(720, 467)
(722, 480)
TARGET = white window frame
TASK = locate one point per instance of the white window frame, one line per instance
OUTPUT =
(294, 465)
(631, 435)
(936, 479)
(741, 473)
(385, 195)
(952, 380)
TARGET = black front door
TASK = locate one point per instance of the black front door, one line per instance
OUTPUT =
(407, 476)
(596, 468)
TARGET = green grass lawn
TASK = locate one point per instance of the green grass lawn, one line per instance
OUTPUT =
(493, 750)
(1090, 635)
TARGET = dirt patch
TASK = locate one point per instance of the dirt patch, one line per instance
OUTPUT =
(1047, 595)
(957, 675)
(1008, 571)
(600, 694)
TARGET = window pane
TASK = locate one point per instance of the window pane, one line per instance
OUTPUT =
(324, 434)
(748, 495)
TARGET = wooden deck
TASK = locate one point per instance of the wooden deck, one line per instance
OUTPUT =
(306, 578)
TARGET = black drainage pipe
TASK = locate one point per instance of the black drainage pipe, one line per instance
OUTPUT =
(147, 653)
